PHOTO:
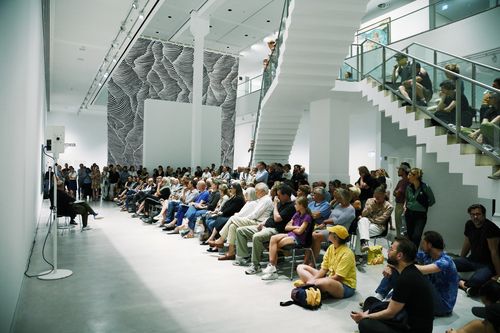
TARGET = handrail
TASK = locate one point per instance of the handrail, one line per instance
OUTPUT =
(438, 67)
(458, 132)
(454, 56)
(263, 90)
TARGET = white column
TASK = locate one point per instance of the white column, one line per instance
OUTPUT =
(199, 29)
(329, 140)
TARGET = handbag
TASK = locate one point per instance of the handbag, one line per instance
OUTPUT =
(375, 256)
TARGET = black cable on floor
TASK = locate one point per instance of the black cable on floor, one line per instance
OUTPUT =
(43, 251)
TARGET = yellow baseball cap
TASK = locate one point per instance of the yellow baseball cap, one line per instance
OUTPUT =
(339, 230)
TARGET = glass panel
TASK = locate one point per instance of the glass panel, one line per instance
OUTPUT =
(371, 60)
(454, 10)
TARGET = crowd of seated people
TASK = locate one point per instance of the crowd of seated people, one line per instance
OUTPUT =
(242, 217)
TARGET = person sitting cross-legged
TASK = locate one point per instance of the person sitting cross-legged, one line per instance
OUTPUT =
(337, 275)
(411, 307)
(296, 236)
(437, 266)
(482, 241)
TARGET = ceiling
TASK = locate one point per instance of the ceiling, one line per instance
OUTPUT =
(82, 33)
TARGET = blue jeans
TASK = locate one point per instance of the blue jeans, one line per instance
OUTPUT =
(181, 211)
(387, 284)
(171, 209)
(482, 272)
(192, 214)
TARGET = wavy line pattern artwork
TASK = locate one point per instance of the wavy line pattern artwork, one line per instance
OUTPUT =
(160, 70)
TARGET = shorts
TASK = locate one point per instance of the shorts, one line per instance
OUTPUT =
(348, 291)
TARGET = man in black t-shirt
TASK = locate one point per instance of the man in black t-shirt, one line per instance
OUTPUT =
(482, 239)
(283, 211)
(412, 294)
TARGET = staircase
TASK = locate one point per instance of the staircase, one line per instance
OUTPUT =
(316, 38)
(463, 158)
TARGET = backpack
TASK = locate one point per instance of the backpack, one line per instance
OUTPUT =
(307, 296)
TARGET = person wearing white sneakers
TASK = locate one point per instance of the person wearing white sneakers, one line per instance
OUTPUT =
(296, 235)
(337, 275)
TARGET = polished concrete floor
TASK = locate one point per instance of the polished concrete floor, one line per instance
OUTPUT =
(131, 277)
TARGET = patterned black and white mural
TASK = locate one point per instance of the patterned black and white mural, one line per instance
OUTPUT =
(158, 70)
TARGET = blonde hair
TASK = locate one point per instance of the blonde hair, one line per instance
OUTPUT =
(417, 172)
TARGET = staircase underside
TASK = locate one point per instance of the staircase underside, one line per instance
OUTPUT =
(315, 43)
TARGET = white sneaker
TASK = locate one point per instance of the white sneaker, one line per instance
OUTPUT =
(86, 228)
(157, 218)
(270, 276)
(269, 269)
(252, 270)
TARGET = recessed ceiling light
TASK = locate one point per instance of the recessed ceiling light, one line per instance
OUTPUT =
(169, 16)
(229, 10)
(246, 35)
(141, 16)
(444, 7)
(100, 84)
(157, 32)
(383, 5)
(268, 21)
(210, 26)
(114, 60)
(227, 47)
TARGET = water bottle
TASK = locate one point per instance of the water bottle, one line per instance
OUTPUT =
(403, 225)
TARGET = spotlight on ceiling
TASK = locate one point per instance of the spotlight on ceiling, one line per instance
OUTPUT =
(135, 4)
(383, 5)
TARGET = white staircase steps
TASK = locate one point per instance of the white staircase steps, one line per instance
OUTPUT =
(462, 158)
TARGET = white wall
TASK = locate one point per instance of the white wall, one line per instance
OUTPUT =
(246, 111)
(364, 137)
(449, 214)
(300, 149)
(464, 37)
(396, 147)
(22, 119)
(90, 133)
(167, 134)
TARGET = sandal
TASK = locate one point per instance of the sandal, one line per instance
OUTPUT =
(227, 257)
(212, 249)
(188, 235)
(214, 244)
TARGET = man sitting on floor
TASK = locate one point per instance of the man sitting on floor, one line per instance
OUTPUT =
(437, 266)
(412, 293)
(482, 240)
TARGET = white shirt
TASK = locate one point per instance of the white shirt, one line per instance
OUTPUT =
(263, 209)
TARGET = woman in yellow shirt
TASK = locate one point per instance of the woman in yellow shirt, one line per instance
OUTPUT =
(337, 275)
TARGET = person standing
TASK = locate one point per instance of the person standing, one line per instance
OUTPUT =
(400, 195)
(95, 176)
(419, 198)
